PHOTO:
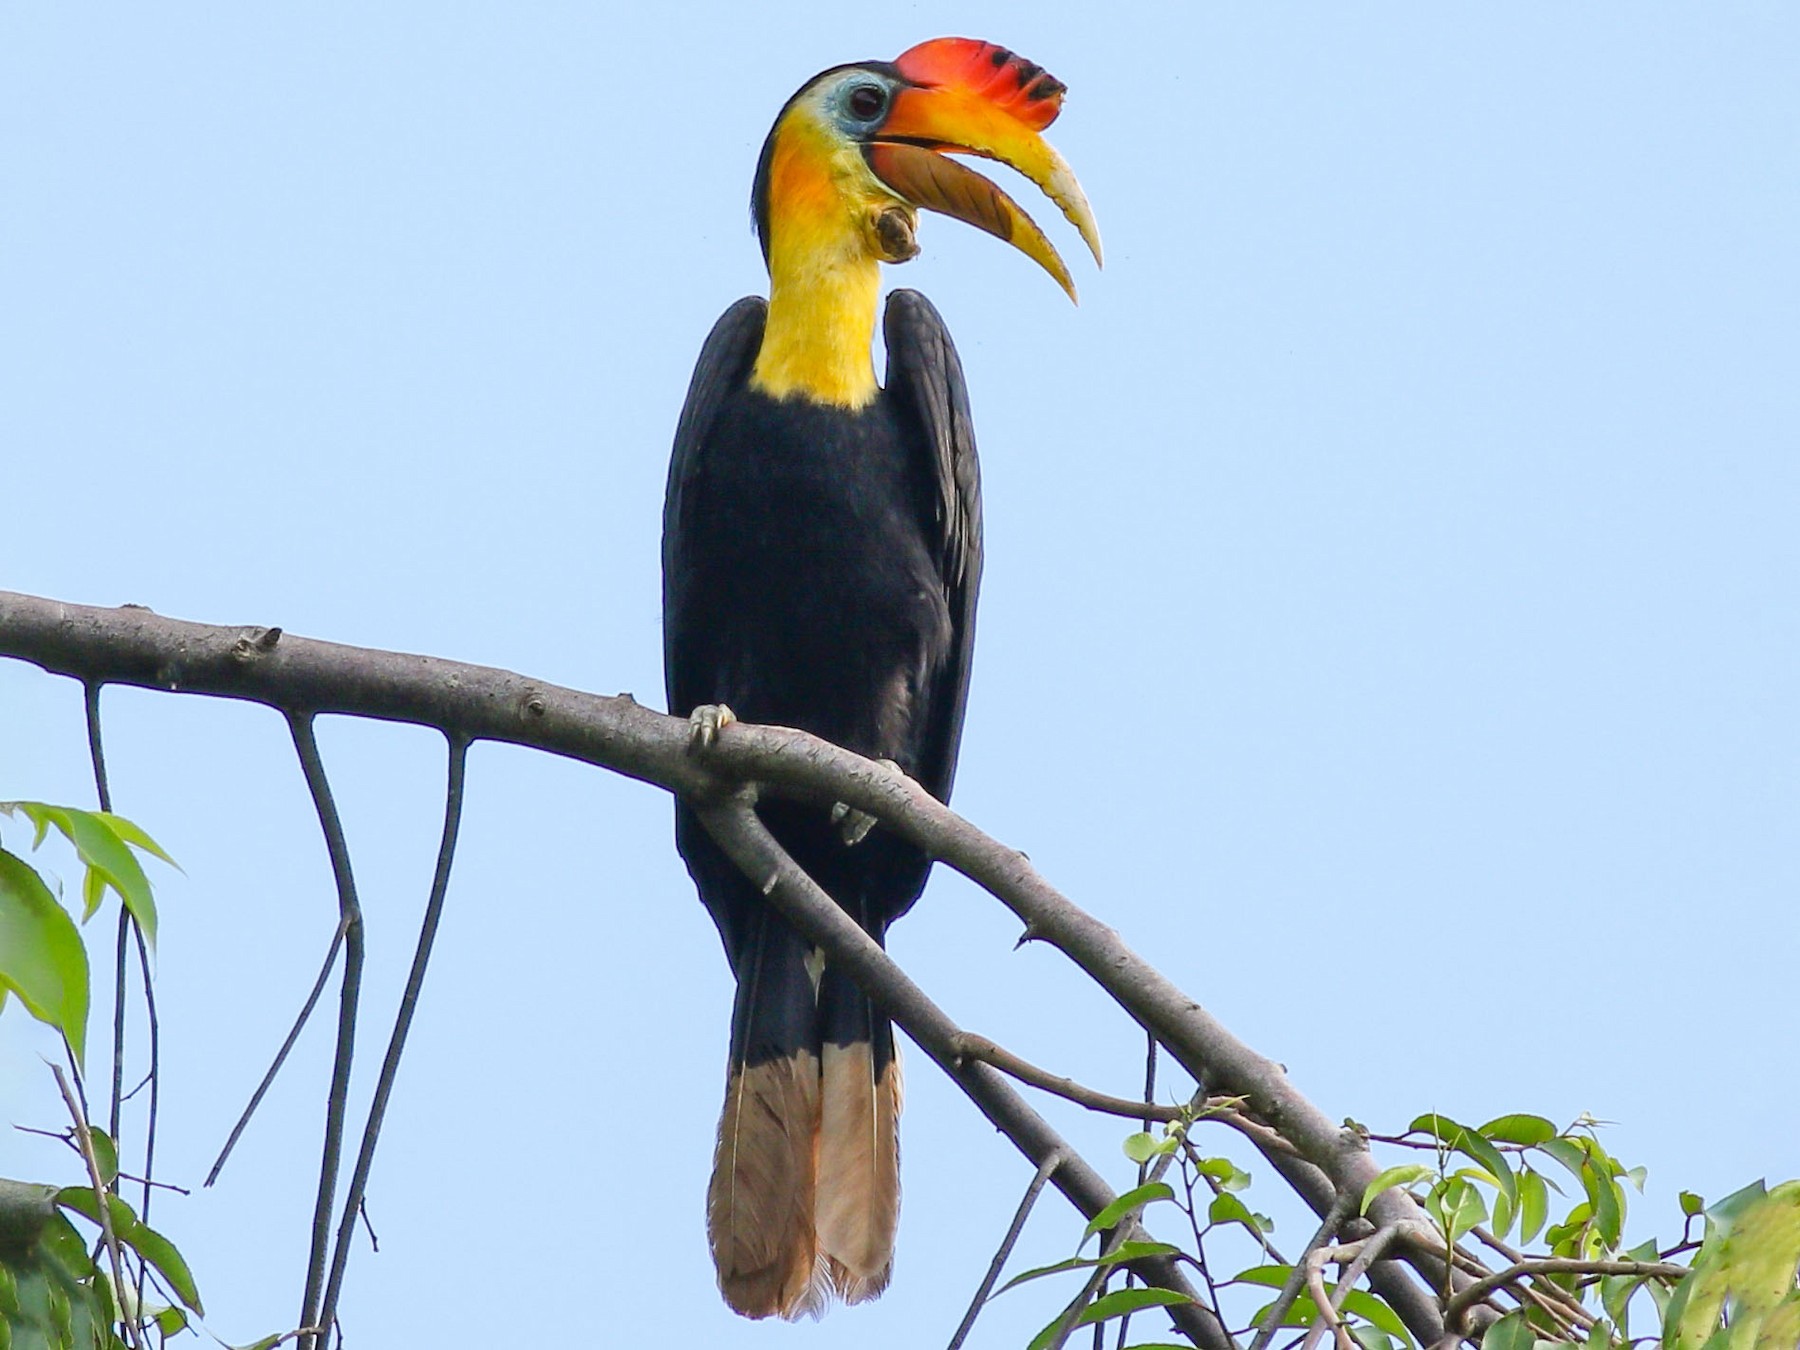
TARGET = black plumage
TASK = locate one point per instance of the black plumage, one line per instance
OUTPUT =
(820, 570)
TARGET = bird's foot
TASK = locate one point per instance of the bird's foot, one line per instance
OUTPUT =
(852, 824)
(706, 722)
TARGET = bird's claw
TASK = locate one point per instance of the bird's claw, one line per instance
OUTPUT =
(706, 722)
(854, 825)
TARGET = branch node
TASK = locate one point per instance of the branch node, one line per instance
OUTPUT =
(534, 703)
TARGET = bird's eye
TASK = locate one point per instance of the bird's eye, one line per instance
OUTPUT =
(867, 102)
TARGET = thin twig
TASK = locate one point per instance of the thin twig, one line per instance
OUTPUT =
(153, 1025)
(268, 1079)
(1557, 1303)
(1328, 1315)
(90, 702)
(350, 923)
(1144, 1166)
(1225, 1110)
(1555, 1265)
(1341, 1209)
(409, 1003)
(101, 1198)
(998, 1264)
(1355, 1258)
(973, 1046)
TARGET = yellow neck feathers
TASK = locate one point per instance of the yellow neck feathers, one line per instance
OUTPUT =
(824, 270)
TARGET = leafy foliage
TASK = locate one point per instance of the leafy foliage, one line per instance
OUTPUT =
(42, 959)
(1557, 1192)
(57, 1288)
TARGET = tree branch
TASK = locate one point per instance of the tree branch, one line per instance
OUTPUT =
(746, 840)
(302, 677)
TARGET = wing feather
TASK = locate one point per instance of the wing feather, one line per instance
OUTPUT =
(926, 377)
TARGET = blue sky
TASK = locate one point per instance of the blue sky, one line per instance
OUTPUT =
(1389, 619)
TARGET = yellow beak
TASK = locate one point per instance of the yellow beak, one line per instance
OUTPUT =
(925, 123)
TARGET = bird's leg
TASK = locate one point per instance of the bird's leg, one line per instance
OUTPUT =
(854, 825)
(706, 722)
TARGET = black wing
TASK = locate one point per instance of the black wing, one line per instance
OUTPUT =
(724, 365)
(925, 379)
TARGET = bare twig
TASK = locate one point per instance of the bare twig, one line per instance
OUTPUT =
(350, 925)
(1341, 1209)
(1143, 1167)
(998, 1264)
(1557, 1303)
(972, 1046)
(1555, 1265)
(409, 1002)
(85, 1138)
(1328, 1315)
(268, 1079)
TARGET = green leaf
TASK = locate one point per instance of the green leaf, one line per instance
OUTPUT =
(1119, 1255)
(1504, 1212)
(1122, 1301)
(1230, 1209)
(266, 1343)
(1270, 1277)
(169, 1263)
(1455, 1206)
(1608, 1202)
(61, 1241)
(81, 1199)
(1371, 1338)
(1228, 1174)
(1038, 1272)
(1374, 1309)
(1691, 1204)
(1142, 1147)
(1518, 1129)
(106, 1153)
(170, 1321)
(1724, 1213)
(134, 835)
(1133, 1199)
(1052, 1329)
(1567, 1152)
(1300, 1313)
(98, 842)
(1473, 1145)
(1436, 1125)
(42, 959)
(1534, 1206)
(1406, 1174)
(1511, 1332)
(1746, 1269)
(93, 891)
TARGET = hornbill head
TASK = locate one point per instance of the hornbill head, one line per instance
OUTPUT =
(861, 147)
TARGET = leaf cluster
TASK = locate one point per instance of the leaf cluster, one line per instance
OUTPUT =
(42, 960)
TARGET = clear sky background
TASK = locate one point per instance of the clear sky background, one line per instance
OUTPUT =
(1389, 621)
